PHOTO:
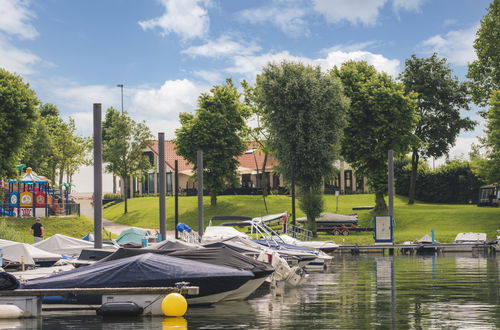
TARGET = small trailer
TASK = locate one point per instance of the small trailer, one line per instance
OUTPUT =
(489, 195)
(337, 224)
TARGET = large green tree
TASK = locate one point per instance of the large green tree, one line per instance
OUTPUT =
(490, 168)
(440, 97)
(216, 129)
(123, 148)
(304, 110)
(381, 118)
(18, 113)
(485, 71)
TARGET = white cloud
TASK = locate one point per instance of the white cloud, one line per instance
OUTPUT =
(15, 17)
(354, 11)
(250, 66)
(460, 150)
(408, 5)
(289, 19)
(456, 46)
(16, 60)
(224, 46)
(172, 97)
(187, 18)
(158, 107)
(211, 77)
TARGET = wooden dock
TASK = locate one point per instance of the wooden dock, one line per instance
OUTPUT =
(437, 248)
(150, 298)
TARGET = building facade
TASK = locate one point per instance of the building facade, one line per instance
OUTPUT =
(250, 175)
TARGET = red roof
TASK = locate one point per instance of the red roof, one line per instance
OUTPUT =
(245, 160)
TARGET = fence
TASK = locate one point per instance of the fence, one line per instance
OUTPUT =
(55, 209)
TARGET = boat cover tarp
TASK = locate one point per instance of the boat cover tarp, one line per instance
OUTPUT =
(169, 244)
(426, 239)
(221, 256)
(471, 238)
(147, 270)
(132, 235)
(8, 281)
(66, 245)
(219, 233)
(15, 252)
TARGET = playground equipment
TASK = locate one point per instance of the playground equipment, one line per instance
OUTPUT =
(29, 195)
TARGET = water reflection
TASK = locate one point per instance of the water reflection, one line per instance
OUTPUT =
(361, 292)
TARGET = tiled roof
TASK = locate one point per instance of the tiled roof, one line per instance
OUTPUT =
(245, 160)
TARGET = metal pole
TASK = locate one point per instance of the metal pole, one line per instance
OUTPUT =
(97, 176)
(293, 197)
(199, 169)
(176, 171)
(161, 179)
(121, 87)
(390, 182)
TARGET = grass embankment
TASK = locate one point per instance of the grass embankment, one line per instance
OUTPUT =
(412, 221)
(18, 229)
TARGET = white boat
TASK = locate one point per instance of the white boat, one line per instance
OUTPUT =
(68, 246)
(22, 253)
(325, 246)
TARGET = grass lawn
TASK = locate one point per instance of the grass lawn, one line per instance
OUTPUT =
(412, 221)
(18, 229)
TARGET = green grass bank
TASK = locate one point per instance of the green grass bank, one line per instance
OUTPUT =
(412, 221)
(18, 229)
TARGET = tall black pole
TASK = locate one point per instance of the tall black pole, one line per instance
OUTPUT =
(390, 181)
(293, 197)
(176, 171)
(161, 179)
(199, 169)
(97, 176)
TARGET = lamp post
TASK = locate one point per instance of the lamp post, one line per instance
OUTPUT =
(121, 87)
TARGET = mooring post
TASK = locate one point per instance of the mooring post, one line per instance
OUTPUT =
(97, 176)
(161, 179)
(199, 169)
(176, 206)
(390, 182)
(293, 199)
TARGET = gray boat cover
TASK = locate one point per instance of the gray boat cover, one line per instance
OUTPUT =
(147, 270)
(221, 256)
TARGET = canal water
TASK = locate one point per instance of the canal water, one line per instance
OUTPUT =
(358, 292)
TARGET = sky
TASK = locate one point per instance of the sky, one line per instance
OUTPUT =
(167, 52)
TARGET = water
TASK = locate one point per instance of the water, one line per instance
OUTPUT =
(363, 292)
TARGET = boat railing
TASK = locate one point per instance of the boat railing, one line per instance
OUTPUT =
(299, 233)
(265, 232)
(191, 237)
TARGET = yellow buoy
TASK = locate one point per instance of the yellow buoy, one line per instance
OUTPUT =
(174, 304)
(174, 323)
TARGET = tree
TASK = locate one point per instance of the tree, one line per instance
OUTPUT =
(123, 148)
(304, 110)
(485, 71)
(18, 114)
(216, 129)
(440, 97)
(111, 114)
(491, 167)
(381, 118)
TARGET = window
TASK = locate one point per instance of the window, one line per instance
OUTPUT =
(360, 185)
(348, 180)
(151, 183)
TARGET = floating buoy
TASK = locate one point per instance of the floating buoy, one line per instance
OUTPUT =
(176, 323)
(174, 304)
(10, 312)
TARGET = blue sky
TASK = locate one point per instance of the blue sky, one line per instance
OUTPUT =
(167, 52)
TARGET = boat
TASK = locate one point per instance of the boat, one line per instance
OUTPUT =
(151, 270)
(68, 246)
(221, 256)
(325, 246)
(18, 255)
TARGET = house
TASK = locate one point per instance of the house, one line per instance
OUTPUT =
(250, 174)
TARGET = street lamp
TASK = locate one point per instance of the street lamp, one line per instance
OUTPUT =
(121, 87)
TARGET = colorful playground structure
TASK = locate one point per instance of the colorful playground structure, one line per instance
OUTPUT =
(31, 196)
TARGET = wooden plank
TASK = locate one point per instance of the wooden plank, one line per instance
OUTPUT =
(190, 290)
